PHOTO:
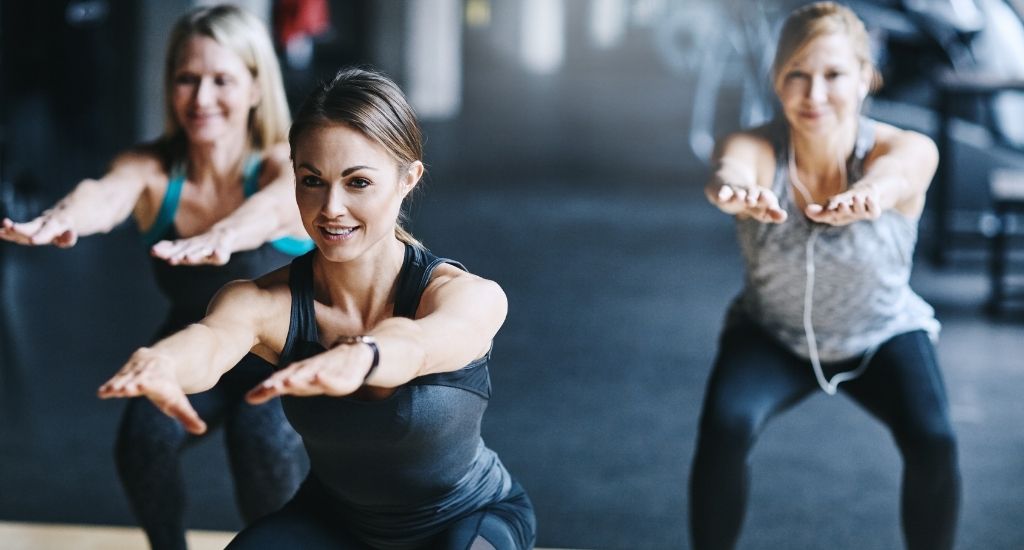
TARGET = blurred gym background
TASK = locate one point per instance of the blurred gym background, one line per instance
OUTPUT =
(566, 149)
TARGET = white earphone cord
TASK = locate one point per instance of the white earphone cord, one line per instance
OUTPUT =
(828, 386)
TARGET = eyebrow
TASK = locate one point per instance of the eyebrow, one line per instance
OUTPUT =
(344, 173)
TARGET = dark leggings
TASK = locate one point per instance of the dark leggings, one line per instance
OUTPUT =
(265, 454)
(307, 523)
(756, 378)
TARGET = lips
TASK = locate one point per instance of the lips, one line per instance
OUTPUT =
(337, 233)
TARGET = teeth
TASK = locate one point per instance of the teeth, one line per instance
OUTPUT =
(339, 231)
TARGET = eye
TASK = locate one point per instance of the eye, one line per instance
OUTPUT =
(310, 181)
(794, 75)
(359, 183)
(186, 79)
(222, 80)
(832, 75)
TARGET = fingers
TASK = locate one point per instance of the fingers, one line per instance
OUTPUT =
(192, 251)
(305, 378)
(142, 379)
(42, 230)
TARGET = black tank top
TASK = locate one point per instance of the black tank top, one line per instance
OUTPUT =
(408, 463)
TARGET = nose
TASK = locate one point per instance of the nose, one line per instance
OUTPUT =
(204, 92)
(817, 91)
(334, 205)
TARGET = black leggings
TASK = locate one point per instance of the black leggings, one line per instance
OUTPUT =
(266, 454)
(755, 378)
(306, 523)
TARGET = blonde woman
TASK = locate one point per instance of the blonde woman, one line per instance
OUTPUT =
(826, 204)
(213, 200)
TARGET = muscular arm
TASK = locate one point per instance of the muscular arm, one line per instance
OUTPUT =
(94, 206)
(460, 314)
(193, 359)
(268, 214)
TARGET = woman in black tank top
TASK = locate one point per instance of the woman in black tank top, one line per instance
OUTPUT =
(213, 199)
(382, 350)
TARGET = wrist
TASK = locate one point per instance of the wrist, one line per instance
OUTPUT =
(370, 343)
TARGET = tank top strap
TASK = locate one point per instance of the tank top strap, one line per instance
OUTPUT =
(303, 336)
(251, 174)
(417, 269)
(168, 207)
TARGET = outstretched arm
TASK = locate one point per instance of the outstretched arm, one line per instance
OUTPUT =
(898, 173)
(735, 187)
(193, 360)
(460, 314)
(268, 214)
(94, 206)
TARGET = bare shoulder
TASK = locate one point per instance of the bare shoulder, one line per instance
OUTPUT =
(276, 163)
(889, 138)
(262, 304)
(142, 163)
(449, 284)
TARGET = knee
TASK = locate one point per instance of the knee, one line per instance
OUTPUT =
(144, 438)
(727, 428)
(933, 447)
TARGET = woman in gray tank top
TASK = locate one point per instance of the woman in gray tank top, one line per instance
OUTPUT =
(382, 350)
(826, 205)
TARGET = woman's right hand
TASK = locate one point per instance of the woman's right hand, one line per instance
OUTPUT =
(751, 201)
(49, 228)
(150, 374)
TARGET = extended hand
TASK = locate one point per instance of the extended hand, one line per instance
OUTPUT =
(336, 372)
(49, 228)
(856, 204)
(210, 248)
(149, 374)
(757, 202)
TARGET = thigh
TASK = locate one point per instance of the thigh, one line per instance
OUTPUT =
(903, 386)
(754, 377)
(506, 525)
(301, 524)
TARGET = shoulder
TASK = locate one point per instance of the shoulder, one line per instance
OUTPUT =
(276, 160)
(449, 284)
(890, 139)
(140, 161)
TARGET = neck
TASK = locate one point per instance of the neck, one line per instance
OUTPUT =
(364, 285)
(822, 162)
(219, 162)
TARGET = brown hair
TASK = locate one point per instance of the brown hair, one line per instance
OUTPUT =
(817, 19)
(371, 103)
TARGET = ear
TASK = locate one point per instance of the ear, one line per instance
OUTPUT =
(411, 177)
(255, 94)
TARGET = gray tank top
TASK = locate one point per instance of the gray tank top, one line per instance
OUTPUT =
(862, 294)
(402, 468)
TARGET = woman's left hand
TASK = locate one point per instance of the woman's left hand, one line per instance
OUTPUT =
(336, 372)
(210, 248)
(856, 204)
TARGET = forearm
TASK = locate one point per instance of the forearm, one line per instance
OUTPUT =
(261, 218)
(889, 183)
(403, 353)
(199, 357)
(94, 207)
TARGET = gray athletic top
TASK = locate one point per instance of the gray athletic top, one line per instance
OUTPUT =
(862, 294)
(401, 468)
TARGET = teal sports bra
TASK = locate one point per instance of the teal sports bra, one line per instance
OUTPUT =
(291, 246)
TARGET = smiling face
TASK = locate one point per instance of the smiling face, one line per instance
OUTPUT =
(212, 92)
(349, 189)
(822, 86)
